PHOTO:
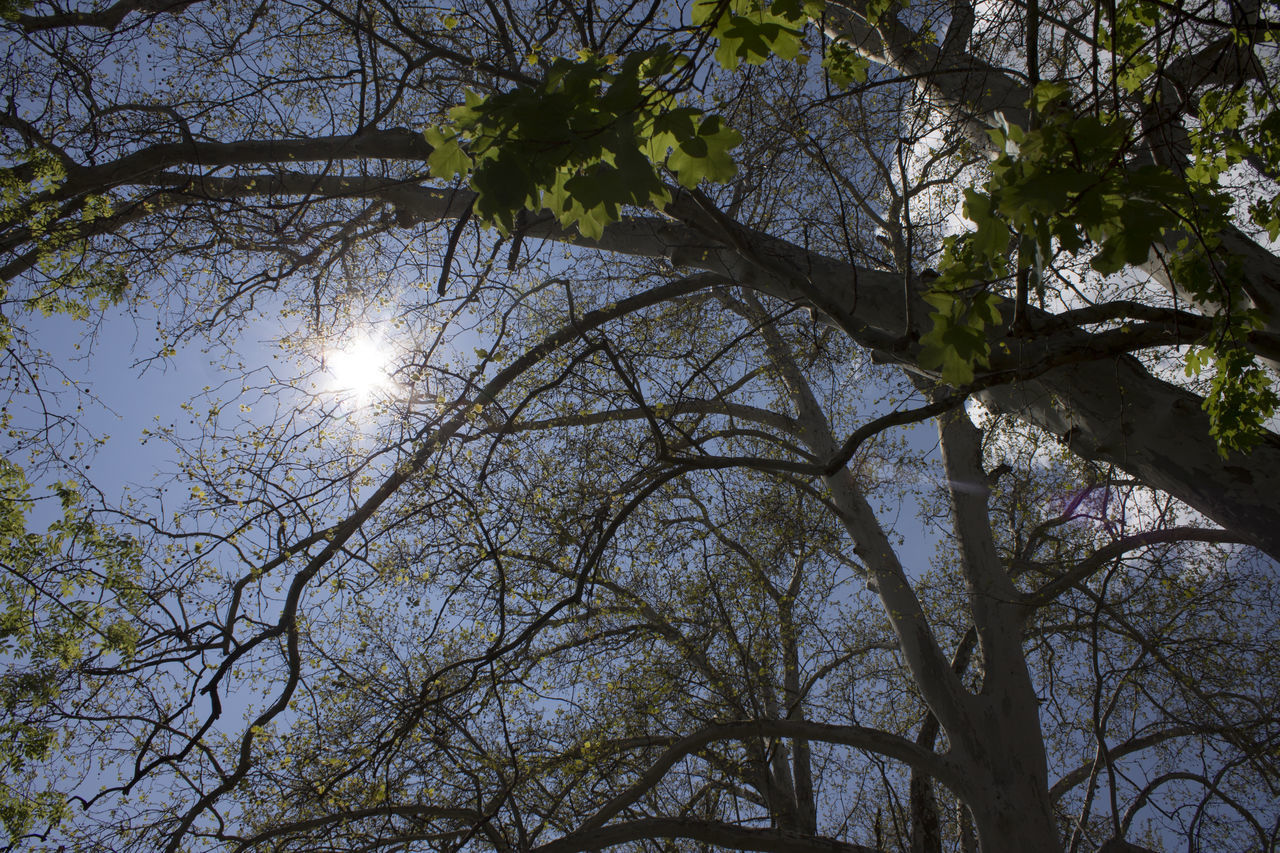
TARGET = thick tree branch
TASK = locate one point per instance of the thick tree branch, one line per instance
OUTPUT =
(105, 19)
(711, 832)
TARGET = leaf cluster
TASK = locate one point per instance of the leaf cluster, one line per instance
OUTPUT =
(584, 142)
(66, 596)
(1064, 184)
(75, 288)
(753, 32)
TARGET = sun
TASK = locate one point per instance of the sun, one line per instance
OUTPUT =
(359, 367)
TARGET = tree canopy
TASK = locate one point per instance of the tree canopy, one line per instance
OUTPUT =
(799, 426)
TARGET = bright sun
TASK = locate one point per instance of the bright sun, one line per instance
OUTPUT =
(359, 368)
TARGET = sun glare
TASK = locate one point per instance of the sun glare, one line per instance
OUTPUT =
(359, 368)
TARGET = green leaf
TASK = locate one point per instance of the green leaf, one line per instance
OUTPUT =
(844, 66)
(876, 9)
(503, 186)
(1048, 92)
(984, 310)
(1039, 195)
(1137, 71)
(957, 343)
(943, 300)
(447, 159)
(1127, 239)
(990, 237)
(590, 138)
(1240, 400)
(748, 31)
(705, 156)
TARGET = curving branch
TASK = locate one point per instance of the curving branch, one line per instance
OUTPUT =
(712, 832)
(872, 740)
(104, 19)
(1099, 559)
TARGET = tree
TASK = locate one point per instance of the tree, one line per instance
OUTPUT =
(706, 281)
(160, 169)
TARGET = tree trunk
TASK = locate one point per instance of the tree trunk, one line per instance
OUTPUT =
(1000, 739)
(995, 736)
(926, 835)
(1006, 788)
(1019, 824)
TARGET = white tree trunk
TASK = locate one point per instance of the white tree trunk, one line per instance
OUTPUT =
(995, 738)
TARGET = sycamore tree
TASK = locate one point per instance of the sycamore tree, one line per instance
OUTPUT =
(628, 546)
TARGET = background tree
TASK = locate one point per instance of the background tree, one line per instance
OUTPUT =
(613, 558)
